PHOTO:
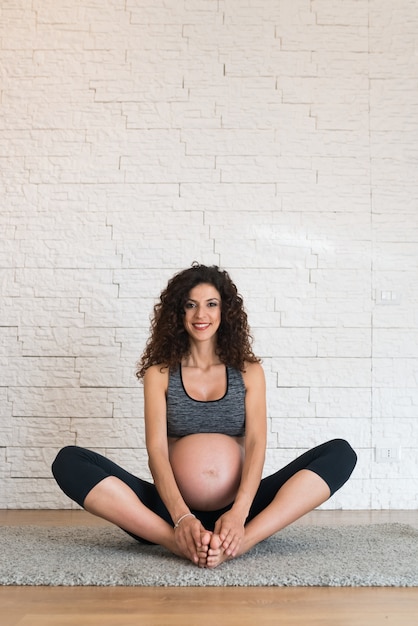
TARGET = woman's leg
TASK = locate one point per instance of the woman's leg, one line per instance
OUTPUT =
(116, 502)
(105, 489)
(293, 491)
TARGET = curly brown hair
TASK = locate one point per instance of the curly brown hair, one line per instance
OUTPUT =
(169, 342)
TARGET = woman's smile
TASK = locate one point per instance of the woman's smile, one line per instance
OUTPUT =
(202, 311)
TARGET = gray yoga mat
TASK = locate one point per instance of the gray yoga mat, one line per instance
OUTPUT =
(357, 555)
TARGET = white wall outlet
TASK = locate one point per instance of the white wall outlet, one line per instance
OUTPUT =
(388, 455)
(388, 298)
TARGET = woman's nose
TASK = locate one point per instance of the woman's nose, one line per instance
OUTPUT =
(199, 311)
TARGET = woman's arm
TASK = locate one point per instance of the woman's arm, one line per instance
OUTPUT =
(188, 534)
(230, 526)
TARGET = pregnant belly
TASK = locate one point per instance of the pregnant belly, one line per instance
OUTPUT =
(207, 468)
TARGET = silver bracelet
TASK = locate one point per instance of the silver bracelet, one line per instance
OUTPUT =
(176, 525)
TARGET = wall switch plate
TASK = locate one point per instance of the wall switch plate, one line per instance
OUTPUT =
(388, 298)
(388, 455)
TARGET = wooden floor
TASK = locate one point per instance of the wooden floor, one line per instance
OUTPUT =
(198, 606)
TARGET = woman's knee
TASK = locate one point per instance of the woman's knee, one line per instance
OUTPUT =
(63, 461)
(75, 472)
(345, 454)
(340, 463)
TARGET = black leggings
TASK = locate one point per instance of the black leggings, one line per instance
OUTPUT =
(77, 470)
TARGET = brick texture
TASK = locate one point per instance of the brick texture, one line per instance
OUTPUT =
(276, 139)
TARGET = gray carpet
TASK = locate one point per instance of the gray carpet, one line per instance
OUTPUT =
(371, 555)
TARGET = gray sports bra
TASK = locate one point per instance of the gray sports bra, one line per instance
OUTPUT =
(186, 416)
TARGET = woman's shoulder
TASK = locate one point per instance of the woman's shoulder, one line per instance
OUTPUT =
(156, 375)
(253, 374)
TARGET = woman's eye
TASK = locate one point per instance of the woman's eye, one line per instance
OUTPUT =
(213, 304)
(189, 305)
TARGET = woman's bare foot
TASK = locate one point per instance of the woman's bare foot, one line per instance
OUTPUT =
(203, 551)
(216, 554)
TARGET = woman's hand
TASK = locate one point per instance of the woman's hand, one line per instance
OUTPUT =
(230, 529)
(189, 535)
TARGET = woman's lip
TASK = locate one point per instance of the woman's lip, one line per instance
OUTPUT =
(201, 326)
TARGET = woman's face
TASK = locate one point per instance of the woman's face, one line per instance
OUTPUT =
(202, 312)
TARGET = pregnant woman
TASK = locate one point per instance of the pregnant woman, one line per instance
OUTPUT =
(205, 425)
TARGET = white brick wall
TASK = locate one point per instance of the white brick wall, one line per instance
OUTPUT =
(278, 139)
